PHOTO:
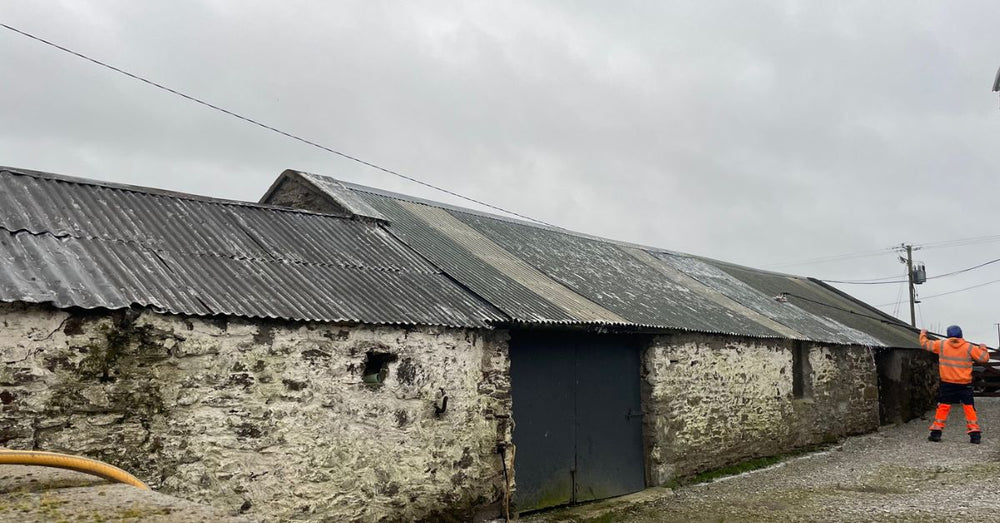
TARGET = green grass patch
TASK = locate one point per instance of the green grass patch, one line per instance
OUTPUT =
(739, 468)
(744, 466)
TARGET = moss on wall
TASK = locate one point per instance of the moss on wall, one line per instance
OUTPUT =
(270, 418)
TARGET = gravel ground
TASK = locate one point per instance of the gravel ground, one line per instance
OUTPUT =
(892, 475)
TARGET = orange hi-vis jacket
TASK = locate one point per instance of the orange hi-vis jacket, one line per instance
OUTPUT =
(955, 357)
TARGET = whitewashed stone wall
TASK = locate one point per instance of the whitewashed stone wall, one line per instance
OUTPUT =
(262, 417)
(711, 401)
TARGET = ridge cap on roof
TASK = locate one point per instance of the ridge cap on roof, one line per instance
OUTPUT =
(853, 302)
(423, 201)
(450, 207)
(749, 268)
(153, 191)
(465, 210)
(620, 243)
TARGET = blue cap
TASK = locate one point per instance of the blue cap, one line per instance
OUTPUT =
(954, 331)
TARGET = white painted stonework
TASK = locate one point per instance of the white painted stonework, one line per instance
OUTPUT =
(268, 418)
(713, 401)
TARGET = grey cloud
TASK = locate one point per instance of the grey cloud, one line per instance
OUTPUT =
(753, 132)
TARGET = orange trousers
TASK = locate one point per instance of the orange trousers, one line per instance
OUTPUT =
(941, 415)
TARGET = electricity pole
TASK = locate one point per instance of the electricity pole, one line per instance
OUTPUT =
(909, 277)
(998, 333)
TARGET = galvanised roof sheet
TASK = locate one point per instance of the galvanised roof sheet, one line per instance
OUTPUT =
(822, 300)
(634, 283)
(513, 298)
(607, 275)
(78, 243)
(810, 325)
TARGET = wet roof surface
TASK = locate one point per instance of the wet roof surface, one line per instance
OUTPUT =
(81, 243)
(73, 242)
(540, 274)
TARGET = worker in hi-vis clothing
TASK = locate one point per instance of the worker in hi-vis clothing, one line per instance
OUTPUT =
(955, 358)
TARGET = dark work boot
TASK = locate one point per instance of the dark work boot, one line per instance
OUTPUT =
(975, 437)
(935, 436)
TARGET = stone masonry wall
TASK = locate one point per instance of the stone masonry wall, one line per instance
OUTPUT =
(712, 401)
(264, 417)
(908, 381)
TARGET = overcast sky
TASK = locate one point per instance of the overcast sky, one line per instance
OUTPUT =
(761, 133)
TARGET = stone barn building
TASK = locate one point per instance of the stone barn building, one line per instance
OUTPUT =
(339, 352)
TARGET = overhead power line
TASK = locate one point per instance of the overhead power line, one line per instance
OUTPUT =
(894, 277)
(961, 242)
(956, 291)
(960, 271)
(849, 311)
(896, 323)
(265, 126)
(866, 282)
(882, 281)
(899, 300)
(836, 257)
(959, 290)
(888, 279)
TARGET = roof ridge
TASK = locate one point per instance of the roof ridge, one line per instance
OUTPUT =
(483, 214)
(618, 243)
(153, 191)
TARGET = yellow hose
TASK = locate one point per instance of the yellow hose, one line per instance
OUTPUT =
(64, 461)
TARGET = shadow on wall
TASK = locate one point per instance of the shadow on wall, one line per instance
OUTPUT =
(907, 383)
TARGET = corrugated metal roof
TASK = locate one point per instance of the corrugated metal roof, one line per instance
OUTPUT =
(511, 266)
(809, 325)
(825, 302)
(711, 292)
(74, 242)
(342, 195)
(607, 275)
(513, 298)
(645, 287)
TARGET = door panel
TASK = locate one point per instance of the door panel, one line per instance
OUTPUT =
(609, 452)
(541, 374)
(577, 421)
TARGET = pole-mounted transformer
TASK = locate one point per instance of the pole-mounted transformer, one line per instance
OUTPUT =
(915, 275)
